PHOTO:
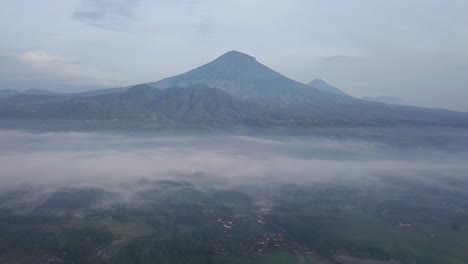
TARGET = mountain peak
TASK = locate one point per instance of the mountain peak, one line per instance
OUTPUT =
(237, 56)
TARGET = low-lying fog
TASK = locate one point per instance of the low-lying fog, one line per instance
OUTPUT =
(374, 189)
(72, 159)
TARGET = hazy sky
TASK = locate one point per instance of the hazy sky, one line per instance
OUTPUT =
(413, 49)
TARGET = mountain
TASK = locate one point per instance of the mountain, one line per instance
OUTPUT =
(234, 89)
(385, 100)
(8, 93)
(242, 76)
(325, 87)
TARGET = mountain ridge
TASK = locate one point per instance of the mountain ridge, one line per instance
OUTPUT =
(194, 105)
(234, 89)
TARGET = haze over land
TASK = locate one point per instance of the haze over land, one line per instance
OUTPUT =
(324, 196)
(50, 158)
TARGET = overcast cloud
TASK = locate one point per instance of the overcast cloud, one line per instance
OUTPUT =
(415, 50)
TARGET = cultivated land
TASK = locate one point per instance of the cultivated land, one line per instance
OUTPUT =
(386, 220)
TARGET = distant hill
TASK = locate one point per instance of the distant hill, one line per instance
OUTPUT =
(39, 92)
(325, 87)
(385, 100)
(8, 92)
(102, 91)
(193, 105)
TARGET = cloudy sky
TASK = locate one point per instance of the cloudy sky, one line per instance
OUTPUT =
(413, 49)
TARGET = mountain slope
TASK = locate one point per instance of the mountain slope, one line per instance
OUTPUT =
(200, 103)
(195, 105)
(326, 87)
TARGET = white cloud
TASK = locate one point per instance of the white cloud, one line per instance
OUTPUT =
(44, 59)
(68, 70)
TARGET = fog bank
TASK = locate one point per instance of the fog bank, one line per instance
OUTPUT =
(69, 159)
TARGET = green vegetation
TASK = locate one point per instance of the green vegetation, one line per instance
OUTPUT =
(170, 222)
